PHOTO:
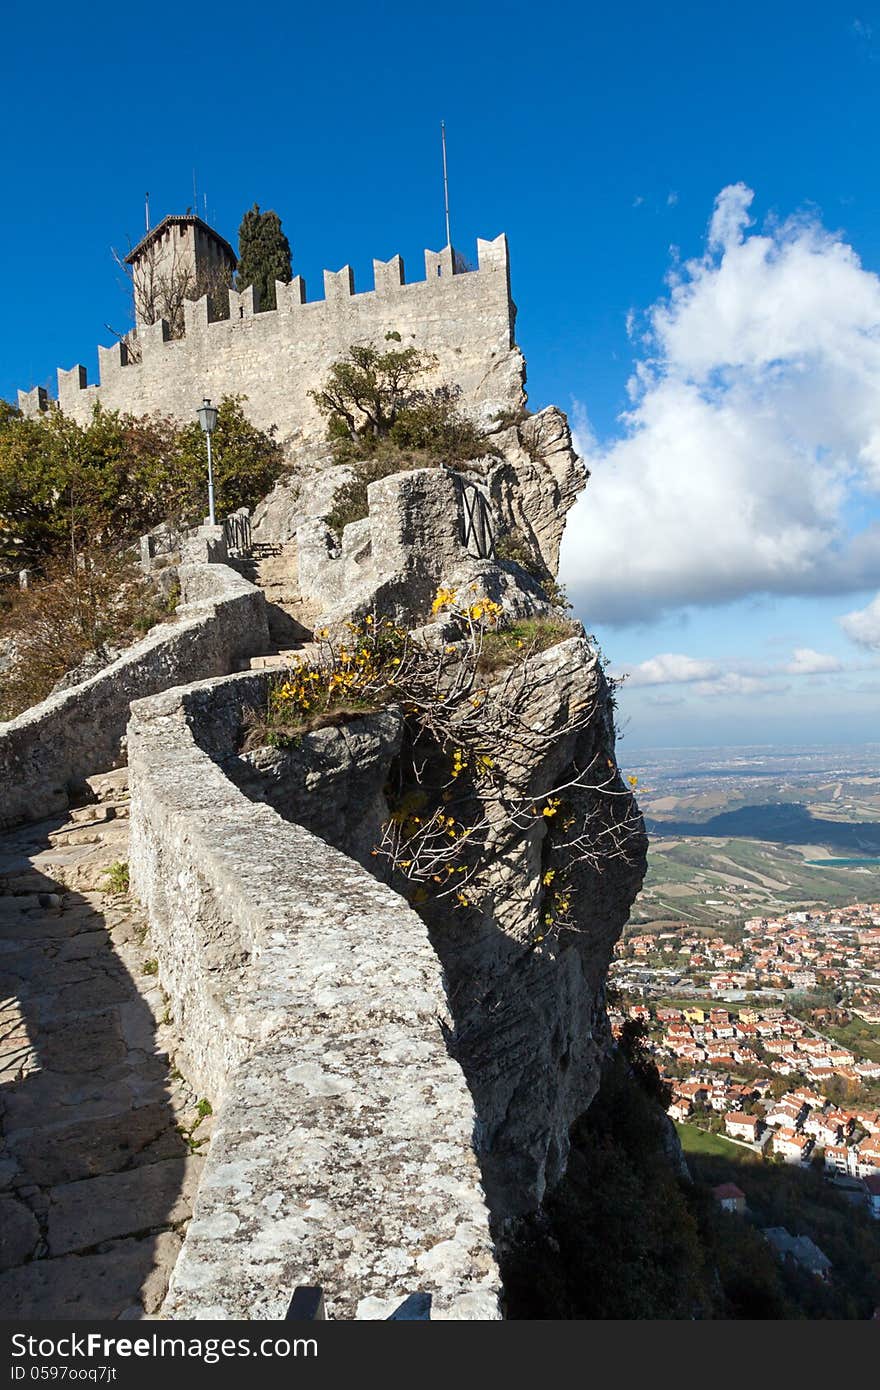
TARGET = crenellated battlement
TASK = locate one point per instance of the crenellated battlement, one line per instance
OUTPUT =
(465, 318)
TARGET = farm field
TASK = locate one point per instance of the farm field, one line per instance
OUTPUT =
(743, 836)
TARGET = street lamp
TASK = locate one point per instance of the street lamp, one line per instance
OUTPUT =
(207, 414)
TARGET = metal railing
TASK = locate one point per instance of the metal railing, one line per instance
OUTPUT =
(307, 1304)
(237, 533)
(478, 527)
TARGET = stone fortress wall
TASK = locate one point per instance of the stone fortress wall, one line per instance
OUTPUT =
(465, 318)
(47, 752)
(313, 1012)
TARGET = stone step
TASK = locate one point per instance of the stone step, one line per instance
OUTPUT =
(275, 660)
(110, 786)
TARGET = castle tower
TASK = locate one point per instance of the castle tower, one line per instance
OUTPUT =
(180, 258)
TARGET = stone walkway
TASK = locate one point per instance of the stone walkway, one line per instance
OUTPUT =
(291, 617)
(99, 1134)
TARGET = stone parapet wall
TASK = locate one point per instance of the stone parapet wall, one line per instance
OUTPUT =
(314, 1016)
(277, 357)
(47, 752)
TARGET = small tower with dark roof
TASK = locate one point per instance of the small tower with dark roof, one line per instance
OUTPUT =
(180, 258)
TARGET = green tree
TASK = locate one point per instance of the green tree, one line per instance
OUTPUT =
(263, 255)
(366, 391)
(67, 488)
(247, 460)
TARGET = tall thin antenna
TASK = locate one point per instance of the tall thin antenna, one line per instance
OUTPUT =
(195, 196)
(445, 182)
(147, 210)
(205, 196)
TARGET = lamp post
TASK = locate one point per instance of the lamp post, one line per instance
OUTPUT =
(207, 414)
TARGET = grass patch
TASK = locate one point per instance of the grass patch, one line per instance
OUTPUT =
(280, 726)
(117, 877)
(699, 1141)
(522, 639)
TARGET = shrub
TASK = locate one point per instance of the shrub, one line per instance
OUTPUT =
(74, 497)
(66, 488)
(354, 679)
(513, 547)
(382, 421)
(68, 613)
(61, 618)
(117, 877)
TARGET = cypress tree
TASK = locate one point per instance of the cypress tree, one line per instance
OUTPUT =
(263, 254)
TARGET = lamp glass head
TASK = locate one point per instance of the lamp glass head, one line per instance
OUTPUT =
(207, 414)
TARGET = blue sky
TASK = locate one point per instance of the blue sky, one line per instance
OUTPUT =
(603, 142)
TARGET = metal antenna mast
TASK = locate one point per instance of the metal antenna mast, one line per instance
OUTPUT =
(445, 182)
(147, 210)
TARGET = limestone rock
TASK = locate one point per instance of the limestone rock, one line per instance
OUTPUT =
(90, 665)
(19, 1232)
(93, 1286)
(329, 781)
(308, 491)
(537, 483)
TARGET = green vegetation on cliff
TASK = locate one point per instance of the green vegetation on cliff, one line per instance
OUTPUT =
(73, 501)
(382, 418)
(67, 488)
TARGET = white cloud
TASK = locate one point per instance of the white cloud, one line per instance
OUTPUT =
(731, 216)
(706, 677)
(755, 421)
(736, 683)
(671, 668)
(806, 662)
(863, 625)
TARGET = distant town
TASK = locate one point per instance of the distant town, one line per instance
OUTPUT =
(770, 1043)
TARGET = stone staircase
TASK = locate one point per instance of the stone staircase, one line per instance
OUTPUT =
(291, 617)
(100, 1135)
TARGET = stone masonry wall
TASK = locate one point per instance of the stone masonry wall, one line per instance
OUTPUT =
(275, 358)
(50, 749)
(314, 1016)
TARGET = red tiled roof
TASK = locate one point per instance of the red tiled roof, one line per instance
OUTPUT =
(728, 1189)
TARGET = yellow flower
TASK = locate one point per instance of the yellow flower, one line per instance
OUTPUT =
(444, 598)
(368, 620)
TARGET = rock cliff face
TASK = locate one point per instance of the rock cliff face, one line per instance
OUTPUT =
(526, 969)
(561, 857)
(531, 479)
(519, 757)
